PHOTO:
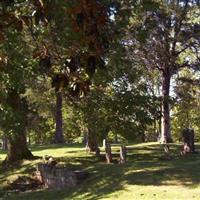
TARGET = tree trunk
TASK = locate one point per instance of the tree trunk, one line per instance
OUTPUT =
(17, 145)
(17, 148)
(165, 133)
(28, 138)
(160, 125)
(58, 136)
(143, 137)
(187, 119)
(91, 145)
(116, 138)
(5, 143)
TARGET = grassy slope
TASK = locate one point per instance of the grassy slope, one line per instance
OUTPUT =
(145, 176)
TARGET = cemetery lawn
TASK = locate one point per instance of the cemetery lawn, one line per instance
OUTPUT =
(144, 176)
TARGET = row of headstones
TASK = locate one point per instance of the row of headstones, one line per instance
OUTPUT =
(108, 152)
(188, 146)
(188, 141)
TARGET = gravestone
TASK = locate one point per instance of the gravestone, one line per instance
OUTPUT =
(167, 155)
(108, 153)
(122, 154)
(104, 143)
(188, 141)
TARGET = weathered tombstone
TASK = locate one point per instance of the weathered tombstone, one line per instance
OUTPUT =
(166, 150)
(122, 154)
(108, 153)
(188, 141)
(104, 143)
(55, 177)
(167, 155)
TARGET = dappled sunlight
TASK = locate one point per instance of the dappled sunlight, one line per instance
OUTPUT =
(143, 176)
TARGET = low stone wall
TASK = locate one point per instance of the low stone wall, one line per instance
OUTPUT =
(54, 177)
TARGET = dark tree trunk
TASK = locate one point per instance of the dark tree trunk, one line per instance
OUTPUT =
(165, 133)
(17, 148)
(5, 143)
(116, 138)
(17, 145)
(187, 119)
(143, 136)
(104, 134)
(58, 136)
(91, 145)
(160, 126)
(28, 137)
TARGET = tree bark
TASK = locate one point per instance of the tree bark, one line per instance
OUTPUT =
(17, 148)
(91, 144)
(17, 145)
(165, 132)
(160, 125)
(5, 143)
(58, 136)
(116, 138)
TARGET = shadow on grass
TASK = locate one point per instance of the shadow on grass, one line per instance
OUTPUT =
(143, 168)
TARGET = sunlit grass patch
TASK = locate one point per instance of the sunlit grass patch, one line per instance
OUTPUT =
(144, 176)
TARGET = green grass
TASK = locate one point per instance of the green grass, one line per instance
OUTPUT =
(144, 176)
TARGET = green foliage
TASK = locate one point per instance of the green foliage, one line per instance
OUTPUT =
(186, 110)
(14, 80)
(108, 83)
